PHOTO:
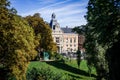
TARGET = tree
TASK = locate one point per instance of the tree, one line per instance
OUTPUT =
(43, 29)
(102, 35)
(79, 29)
(78, 58)
(17, 44)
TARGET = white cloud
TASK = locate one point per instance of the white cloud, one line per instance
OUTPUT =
(72, 21)
(66, 14)
(55, 4)
(43, 9)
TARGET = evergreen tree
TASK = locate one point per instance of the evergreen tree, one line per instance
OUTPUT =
(16, 42)
(78, 57)
(102, 37)
(80, 30)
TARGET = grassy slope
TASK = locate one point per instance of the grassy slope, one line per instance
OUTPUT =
(69, 68)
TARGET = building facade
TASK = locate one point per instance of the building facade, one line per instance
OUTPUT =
(66, 40)
(70, 40)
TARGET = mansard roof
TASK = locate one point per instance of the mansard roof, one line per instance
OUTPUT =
(67, 30)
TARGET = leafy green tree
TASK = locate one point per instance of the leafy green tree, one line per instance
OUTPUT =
(102, 37)
(79, 29)
(43, 29)
(17, 44)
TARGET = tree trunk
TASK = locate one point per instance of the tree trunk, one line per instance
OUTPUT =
(114, 61)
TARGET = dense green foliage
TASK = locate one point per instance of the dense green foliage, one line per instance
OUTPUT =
(68, 70)
(78, 57)
(44, 74)
(79, 29)
(102, 37)
(43, 30)
(17, 46)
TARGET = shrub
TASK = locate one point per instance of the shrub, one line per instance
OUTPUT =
(58, 56)
(44, 74)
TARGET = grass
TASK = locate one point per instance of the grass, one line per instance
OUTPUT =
(69, 68)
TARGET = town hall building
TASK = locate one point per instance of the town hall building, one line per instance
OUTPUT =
(66, 40)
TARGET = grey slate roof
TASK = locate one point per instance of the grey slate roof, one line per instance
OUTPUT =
(67, 30)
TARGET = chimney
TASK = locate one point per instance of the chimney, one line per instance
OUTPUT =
(66, 26)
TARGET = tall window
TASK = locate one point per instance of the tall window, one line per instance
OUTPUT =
(53, 26)
(74, 40)
(74, 45)
(70, 40)
(66, 40)
(67, 45)
(57, 40)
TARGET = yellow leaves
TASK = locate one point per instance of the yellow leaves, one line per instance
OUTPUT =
(18, 70)
(19, 46)
(42, 31)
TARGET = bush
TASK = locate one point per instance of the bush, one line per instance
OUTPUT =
(37, 58)
(58, 56)
(44, 74)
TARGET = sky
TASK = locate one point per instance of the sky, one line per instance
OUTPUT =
(68, 12)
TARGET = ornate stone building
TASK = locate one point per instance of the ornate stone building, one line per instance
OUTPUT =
(57, 33)
(66, 40)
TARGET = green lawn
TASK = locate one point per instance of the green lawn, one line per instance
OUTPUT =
(68, 68)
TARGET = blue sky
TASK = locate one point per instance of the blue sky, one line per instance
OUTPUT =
(68, 12)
